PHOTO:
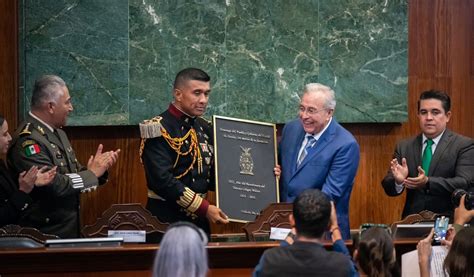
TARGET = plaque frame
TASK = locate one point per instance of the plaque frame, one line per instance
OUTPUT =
(272, 194)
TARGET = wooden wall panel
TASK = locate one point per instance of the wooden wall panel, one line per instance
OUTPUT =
(441, 47)
(9, 61)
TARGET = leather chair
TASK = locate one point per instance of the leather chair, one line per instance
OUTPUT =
(423, 216)
(14, 236)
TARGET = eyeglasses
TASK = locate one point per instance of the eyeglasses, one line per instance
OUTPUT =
(366, 226)
(310, 110)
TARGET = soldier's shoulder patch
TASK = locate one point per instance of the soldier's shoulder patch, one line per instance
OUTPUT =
(151, 128)
(26, 130)
(32, 149)
(27, 143)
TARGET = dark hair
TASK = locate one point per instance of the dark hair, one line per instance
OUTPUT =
(46, 90)
(375, 253)
(311, 211)
(188, 74)
(2, 119)
(439, 95)
(460, 258)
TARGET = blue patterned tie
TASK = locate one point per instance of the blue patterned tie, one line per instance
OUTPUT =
(309, 143)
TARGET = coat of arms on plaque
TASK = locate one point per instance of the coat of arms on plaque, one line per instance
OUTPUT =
(246, 161)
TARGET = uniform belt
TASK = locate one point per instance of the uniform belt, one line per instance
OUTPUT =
(153, 195)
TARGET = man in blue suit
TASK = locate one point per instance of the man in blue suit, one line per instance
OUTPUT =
(317, 152)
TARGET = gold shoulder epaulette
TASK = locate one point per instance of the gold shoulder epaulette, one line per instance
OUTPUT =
(151, 128)
(25, 131)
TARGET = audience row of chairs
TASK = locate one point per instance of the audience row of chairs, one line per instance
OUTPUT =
(135, 217)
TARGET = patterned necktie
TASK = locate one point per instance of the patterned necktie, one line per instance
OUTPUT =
(309, 143)
(427, 154)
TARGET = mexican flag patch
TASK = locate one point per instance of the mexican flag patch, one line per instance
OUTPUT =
(32, 149)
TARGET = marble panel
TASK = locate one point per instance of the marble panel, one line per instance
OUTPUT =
(86, 43)
(363, 53)
(259, 55)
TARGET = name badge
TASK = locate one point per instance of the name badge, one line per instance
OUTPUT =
(128, 235)
(279, 233)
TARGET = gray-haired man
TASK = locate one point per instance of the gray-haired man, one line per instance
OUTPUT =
(39, 140)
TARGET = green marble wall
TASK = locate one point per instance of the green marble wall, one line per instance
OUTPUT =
(120, 57)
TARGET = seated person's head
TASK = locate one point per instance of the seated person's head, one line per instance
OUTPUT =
(375, 253)
(182, 252)
(311, 212)
(460, 258)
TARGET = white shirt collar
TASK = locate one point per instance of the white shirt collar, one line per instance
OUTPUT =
(435, 140)
(44, 123)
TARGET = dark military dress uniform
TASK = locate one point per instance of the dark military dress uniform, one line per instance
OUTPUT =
(177, 156)
(12, 200)
(55, 207)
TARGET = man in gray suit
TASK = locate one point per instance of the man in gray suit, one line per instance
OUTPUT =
(433, 164)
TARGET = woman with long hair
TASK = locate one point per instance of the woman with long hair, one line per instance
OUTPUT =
(375, 253)
(460, 258)
(14, 193)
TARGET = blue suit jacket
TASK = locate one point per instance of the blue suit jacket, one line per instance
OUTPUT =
(331, 165)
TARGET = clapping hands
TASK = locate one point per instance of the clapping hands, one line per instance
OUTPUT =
(101, 161)
(34, 176)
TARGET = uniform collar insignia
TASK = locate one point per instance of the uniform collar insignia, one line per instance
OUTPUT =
(179, 114)
(40, 129)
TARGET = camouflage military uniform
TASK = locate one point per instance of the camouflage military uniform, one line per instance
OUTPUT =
(177, 155)
(55, 208)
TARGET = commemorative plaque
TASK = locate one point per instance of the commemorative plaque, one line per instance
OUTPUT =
(245, 155)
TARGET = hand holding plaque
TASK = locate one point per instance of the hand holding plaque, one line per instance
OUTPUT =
(216, 215)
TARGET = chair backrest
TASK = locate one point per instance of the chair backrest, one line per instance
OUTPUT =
(275, 215)
(131, 216)
(14, 236)
(423, 216)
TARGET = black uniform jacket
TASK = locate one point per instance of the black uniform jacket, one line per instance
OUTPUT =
(12, 200)
(173, 197)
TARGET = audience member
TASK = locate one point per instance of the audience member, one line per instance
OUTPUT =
(40, 141)
(316, 152)
(459, 261)
(462, 215)
(182, 252)
(375, 254)
(306, 256)
(460, 258)
(14, 196)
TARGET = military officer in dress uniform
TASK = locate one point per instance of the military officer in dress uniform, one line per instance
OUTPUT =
(40, 141)
(177, 155)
